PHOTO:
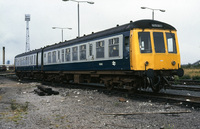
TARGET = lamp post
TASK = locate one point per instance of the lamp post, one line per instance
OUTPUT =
(89, 2)
(61, 30)
(153, 11)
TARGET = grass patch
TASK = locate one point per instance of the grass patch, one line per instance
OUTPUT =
(185, 77)
(169, 127)
(190, 73)
(19, 107)
(196, 78)
(17, 111)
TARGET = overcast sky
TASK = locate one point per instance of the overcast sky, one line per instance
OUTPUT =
(184, 15)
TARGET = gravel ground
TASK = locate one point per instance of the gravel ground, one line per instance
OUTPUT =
(73, 108)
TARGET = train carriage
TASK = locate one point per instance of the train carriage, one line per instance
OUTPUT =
(143, 54)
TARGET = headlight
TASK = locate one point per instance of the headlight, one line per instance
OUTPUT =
(173, 63)
(146, 63)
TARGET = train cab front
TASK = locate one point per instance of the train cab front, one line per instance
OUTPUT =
(156, 52)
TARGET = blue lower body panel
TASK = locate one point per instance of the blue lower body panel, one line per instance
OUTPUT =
(87, 66)
(120, 64)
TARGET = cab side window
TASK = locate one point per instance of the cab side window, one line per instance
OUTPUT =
(127, 44)
(171, 43)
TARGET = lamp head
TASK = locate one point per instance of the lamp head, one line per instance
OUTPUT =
(143, 7)
(162, 10)
(90, 2)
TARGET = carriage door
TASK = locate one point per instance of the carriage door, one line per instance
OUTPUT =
(90, 52)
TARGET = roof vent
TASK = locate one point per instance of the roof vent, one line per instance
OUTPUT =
(131, 21)
(92, 32)
(117, 25)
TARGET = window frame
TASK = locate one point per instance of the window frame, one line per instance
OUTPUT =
(156, 47)
(113, 42)
(75, 51)
(49, 57)
(67, 54)
(54, 56)
(83, 49)
(174, 43)
(100, 45)
(145, 51)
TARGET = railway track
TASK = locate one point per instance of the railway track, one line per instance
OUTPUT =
(166, 97)
(186, 82)
(183, 99)
(185, 87)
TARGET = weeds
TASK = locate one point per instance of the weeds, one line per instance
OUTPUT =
(19, 107)
(196, 77)
(185, 77)
(117, 104)
(17, 111)
(190, 73)
(169, 127)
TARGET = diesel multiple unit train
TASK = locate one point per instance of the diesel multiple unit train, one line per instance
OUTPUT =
(139, 54)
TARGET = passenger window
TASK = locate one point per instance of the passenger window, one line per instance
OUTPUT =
(24, 61)
(49, 57)
(31, 60)
(39, 58)
(114, 47)
(145, 42)
(58, 55)
(27, 61)
(159, 42)
(171, 43)
(90, 50)
(63, 52)
(54, 57)
(34, 59)
(100, 49)
(74, 53)
(82, 49)
(45, 58)
(67, 54)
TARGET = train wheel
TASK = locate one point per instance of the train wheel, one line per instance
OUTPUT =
(155, 84)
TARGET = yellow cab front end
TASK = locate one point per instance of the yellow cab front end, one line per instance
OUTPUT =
(155, 49)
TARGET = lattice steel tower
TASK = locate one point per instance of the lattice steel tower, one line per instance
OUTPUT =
(27, 19)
